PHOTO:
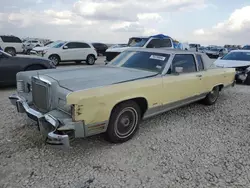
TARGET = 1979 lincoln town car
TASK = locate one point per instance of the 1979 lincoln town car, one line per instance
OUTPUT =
(114, 98)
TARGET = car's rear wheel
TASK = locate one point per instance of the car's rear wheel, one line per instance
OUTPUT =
(124, 122)
(212, 96)
(55, 59)
(11, 51)
(28, 51)
(90, 60)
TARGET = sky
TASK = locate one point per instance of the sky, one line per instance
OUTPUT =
(207, 22)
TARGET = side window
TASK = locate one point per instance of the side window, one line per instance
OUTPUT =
(77, 45)
(72, 45)
(83, 45)
(11, 39)
(186, 61)
(165, 43)
(159, 43)
(200, 62)
(17, 40)
(153, 43)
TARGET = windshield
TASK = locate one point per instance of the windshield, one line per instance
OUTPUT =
(50, 44)
(137, 42)
(246, 48)
(240, 56)
(148, 61)
(58, 45)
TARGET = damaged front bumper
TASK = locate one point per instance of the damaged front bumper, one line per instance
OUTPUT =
(241, 76)
(52, 125)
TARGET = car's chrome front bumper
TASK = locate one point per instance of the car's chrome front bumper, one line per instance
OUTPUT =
(47, 124)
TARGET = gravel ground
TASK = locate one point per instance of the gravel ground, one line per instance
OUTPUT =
(193, 146)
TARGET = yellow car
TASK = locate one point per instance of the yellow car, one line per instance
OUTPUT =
(114, 98)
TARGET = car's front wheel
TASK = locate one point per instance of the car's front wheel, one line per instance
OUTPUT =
(90, 60)
(55, 59)
(212, 96)
(124, 122)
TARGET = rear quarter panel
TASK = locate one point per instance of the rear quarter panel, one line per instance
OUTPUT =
(218, 76)
(95, 105)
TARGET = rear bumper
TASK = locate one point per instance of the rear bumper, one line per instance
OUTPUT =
(48, 124)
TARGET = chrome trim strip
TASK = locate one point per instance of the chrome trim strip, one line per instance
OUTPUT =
(166, 107)
(53, 121)
(41, 78)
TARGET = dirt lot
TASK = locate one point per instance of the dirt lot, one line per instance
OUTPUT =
(193, 146)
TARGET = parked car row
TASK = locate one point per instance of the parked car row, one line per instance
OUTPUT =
(11, 65)
(240, 60)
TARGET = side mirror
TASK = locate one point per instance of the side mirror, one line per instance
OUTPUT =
(178, 70)
(65, 47)
(219, 57)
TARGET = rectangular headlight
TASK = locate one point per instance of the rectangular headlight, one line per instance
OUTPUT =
(20, 86)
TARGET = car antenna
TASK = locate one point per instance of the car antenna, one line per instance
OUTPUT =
(38, 75)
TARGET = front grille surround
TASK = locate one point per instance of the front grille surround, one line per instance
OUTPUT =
(41, 94)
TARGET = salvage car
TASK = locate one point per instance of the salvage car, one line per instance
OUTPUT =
(114, 98)
(11, 65)
(240, 60)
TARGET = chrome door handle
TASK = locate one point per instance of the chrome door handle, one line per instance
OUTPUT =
(199, 75)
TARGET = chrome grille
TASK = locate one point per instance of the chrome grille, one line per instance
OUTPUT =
(40, 95)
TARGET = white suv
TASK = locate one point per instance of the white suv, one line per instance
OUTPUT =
(11, 44)
(30, 44)
(71, 51)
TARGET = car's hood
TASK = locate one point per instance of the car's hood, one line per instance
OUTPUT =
(231, 63)
(29, 58)
(40, 48)
(121, 49)
(75, 79)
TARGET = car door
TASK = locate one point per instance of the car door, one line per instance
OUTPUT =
(83, 50)
(180, 87)
(8, 69)
(86, 50)
(70, 51)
